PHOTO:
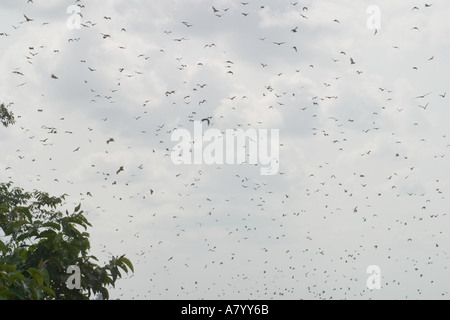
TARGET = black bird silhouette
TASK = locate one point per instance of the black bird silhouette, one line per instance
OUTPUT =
(27, 19)
(421, 97)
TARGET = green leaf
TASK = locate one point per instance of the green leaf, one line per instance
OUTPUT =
(13, 277)
(127, 262)
(53, 225)
(49, 291)
(23, 237)
(36, 291)
(25, 212)
(45, 276)
(37, 276)
(23, 254)
(57, 240)
(104, 293)
(46, 234)
(18, 293)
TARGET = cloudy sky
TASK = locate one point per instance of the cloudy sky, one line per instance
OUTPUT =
(363, 148)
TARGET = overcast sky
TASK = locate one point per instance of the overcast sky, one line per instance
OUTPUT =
(364, 140)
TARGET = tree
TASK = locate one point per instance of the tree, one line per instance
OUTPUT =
(39, 244)
(6, 116)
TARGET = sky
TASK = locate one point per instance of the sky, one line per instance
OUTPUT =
(356, 90)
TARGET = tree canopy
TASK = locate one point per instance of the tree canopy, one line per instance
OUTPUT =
(6, 116)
